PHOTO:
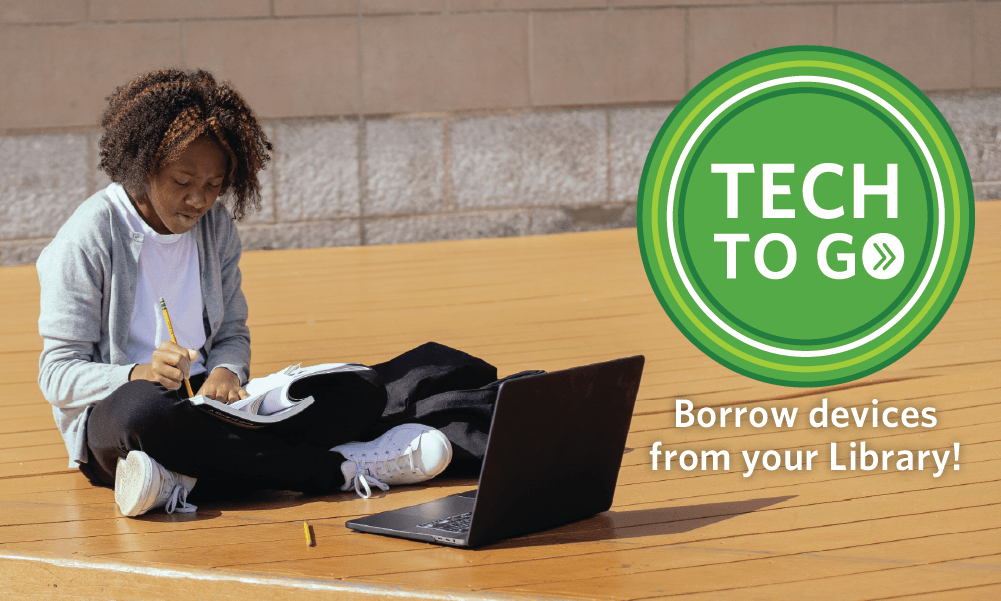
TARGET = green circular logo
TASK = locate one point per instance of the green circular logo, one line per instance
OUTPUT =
(805, 216)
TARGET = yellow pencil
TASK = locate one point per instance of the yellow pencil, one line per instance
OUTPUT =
(310, 542)
(170, 328)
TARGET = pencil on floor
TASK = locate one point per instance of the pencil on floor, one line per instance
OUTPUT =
(308, 530)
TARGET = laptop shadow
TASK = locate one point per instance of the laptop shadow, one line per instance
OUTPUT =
(624, 524)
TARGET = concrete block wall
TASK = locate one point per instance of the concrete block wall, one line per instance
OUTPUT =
(412, 120)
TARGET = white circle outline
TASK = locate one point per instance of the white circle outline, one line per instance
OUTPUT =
(670, 212)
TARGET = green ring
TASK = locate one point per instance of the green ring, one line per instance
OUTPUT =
(935, 299)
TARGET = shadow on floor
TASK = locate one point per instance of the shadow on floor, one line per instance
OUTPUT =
(213, 502)
(622, 524)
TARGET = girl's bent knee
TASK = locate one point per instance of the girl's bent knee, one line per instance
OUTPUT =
(140, 405)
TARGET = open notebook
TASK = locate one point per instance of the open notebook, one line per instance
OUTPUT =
(270, 401)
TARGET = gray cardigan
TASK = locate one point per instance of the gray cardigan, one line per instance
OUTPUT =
(88, 276)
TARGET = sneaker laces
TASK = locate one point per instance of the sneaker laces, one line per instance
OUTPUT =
(368, 470)
(179, 494)
(362, 481)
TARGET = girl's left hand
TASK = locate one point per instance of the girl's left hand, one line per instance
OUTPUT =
(223, 385)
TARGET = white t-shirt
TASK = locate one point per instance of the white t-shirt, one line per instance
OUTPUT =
(168, 268)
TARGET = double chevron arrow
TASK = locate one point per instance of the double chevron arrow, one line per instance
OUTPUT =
(885, 255)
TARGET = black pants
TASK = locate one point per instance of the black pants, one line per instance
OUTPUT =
(433, 385)
(447, 389)
(228, 459)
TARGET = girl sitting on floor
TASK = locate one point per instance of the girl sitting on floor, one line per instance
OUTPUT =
(174, 142)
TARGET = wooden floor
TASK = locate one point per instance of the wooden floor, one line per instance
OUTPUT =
(541, 302)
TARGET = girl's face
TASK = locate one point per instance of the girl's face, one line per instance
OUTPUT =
(181, 192)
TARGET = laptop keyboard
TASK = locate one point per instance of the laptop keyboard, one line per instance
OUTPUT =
(453, 523)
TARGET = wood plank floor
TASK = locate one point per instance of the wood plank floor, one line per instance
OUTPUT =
(542, 302)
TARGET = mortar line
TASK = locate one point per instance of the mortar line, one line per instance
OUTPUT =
(688, 50)
(973, 45)
(834, 25)
(449, 201)
(530, 56)
(362, 132)
(608, 155)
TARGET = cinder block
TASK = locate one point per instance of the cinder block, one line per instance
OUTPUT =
(316, 166)
(42, 11)
(557, 158)
(600, 57)
(487, 5)
(692, 3)
(976, 121)
(267, 213)
(987, 44)
(303, 8)
(399, 230)
(928, 43)
(720, 36)
(43, 179)
(99, 180)
(317, 234)
(406, 169)
(987, 191)
(266, 180)
(256, 237)
(21, 252)
(384, 7)
(130, 10)
(632, 133)
(417, 63)
(57, 76)
(583, 219)
(283, 67)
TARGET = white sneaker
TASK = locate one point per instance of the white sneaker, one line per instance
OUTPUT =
(407, 454)
(142, 484)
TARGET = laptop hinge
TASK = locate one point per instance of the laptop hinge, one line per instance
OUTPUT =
(451, 541)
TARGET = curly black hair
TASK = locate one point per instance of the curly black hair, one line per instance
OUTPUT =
(153, 118)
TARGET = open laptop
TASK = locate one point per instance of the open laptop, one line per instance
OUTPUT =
(553, 456)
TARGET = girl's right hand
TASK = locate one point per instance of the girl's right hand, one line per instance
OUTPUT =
(171, 364)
